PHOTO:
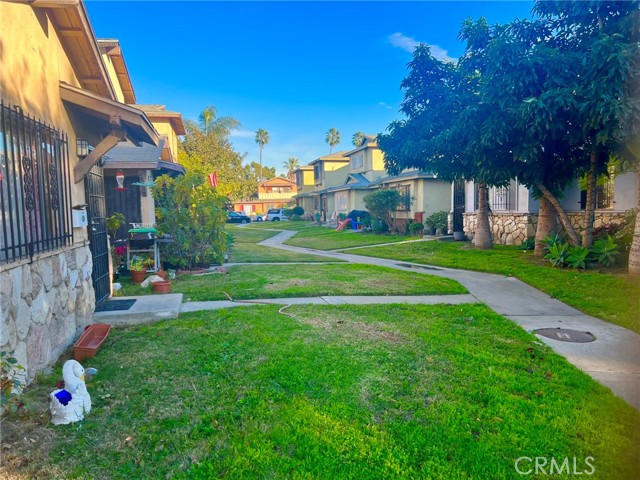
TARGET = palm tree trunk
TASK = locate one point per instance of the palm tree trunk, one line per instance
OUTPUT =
(574, 239)
(589, 209)
(483, 238)
(634, 254)
(260, 174)
(546, 224)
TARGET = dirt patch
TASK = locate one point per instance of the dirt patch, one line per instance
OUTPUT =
(349, 329)
(287, 284)
(26, 442)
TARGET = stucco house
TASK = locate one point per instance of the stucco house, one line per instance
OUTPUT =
(514, 210)
(342, 182)
(57, 100)
(272, 193)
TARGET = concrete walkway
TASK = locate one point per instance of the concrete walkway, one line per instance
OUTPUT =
(613, 358)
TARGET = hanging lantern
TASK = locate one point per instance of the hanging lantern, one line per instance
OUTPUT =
(120, 181)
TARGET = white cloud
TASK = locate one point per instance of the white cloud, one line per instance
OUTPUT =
(242, 134)
(409, 44)
(385, 105)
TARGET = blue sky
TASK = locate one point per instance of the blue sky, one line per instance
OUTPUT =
(296, 69)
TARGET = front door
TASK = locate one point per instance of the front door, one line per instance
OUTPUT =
(96, 214)
(458, 205)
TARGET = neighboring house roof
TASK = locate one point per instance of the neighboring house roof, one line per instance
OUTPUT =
(126, 155)
(355, 181)
(111, 47)
(369, 141)
(408, 175)
(277, 181)
(160, 112)
(305, 168)
(71, 22)
(334, 157)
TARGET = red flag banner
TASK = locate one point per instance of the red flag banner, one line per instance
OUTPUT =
(213, 179)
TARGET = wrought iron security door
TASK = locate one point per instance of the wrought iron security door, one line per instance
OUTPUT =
(458, 205)
(96, 213)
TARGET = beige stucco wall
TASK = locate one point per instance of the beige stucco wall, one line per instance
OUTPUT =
(164, 128)
(44, 303)
(33, 63)
(111, 71)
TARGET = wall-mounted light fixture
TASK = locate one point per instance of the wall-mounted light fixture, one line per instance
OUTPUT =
(120, 180)
(82, 147)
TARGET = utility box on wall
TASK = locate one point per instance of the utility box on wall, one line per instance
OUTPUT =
(79, 217)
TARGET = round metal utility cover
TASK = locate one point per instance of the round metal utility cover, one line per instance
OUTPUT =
(566, 335)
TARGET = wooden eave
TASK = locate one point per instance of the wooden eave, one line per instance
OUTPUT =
(113, 50)
(71, 22)
(174, 119)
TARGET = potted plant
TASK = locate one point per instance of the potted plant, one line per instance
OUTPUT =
(162, 287)
(138, 269)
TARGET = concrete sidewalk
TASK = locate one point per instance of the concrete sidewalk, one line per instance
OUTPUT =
(613, 358)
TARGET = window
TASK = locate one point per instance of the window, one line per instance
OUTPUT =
(501, 199)
(405, 193)
(317, 173)
(604, 195)
(357, 161)
(34, 186)
(341, 201)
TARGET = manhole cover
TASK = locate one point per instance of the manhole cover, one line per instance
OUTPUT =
(115, 305)
(566, 335)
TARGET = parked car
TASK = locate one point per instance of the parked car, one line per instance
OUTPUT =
(277, 214)
(238, 217)
(260, 218)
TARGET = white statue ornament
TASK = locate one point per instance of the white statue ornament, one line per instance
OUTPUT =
(70, 404)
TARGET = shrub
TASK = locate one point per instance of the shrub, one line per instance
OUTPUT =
(378, 226)
(605, 251)
(558, 254)
(382, 203)
(416, 229)
(528, 244)
(10, 385)
(299, 211)
(438, 220)
(578, 256)
(193, 215)
(295, 218)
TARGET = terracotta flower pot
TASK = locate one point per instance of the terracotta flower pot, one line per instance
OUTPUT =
(162, 274)
(161, 287)
(137, 276)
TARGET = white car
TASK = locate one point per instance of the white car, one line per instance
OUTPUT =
(276, 214)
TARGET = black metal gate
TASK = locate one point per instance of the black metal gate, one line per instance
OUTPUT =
(458, 205)
(96, 213)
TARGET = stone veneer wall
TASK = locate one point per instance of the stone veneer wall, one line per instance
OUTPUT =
(514, 228)
(45, 305)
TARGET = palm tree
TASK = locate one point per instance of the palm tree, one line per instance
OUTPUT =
(262, 138)
(210, 123)
(357, 138)
(290, 165)
(634, 254)
(332, 138)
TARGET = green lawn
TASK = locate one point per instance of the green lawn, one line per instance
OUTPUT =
(389, 391)
(245, 250)
(271, 281)
(609, 296)
(323, 238)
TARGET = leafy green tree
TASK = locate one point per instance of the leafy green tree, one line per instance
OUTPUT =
(332, 138)
(290, 165)
(603, 37)
(194, 216)
(262, 138)
(357, 138)
(382, 204)
(206, 148)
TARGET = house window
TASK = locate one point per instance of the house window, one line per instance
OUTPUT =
(501, 199)
(299, 179)
(317, 173)
(34, 187)
(357, 161)
(341, 201)
(604, 195)
(405, 194)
